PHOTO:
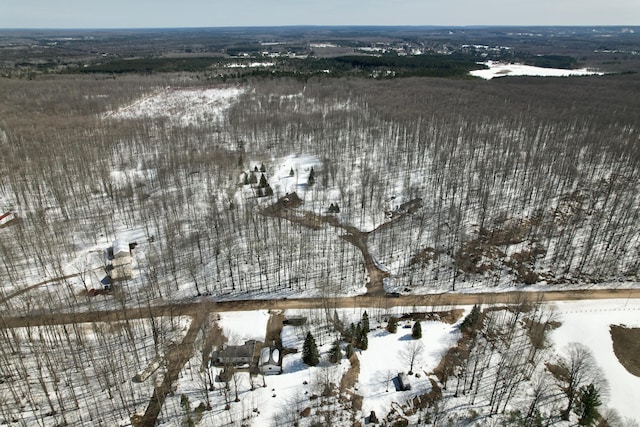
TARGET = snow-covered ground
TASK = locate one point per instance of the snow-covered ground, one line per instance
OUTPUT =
(182, 107)
(588, 323)
(501, 69)
(279, 400)
(239, 327)
(288, 394)
(387, 356)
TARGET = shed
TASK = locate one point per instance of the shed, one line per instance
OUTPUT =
(121, 249)
(403, 382)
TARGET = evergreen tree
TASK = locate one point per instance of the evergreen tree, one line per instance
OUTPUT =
(588, 405)
(310, 351)
(335, 353)
(312, 177)
(364, 341)
(392, 324)
(184, 402)
(262, 168)
(360, 339)
(291, 172)
(350, 333)
(471, 321)
(365, 322)
(263, 181)
(348, 351)
(337, 322)
(357, 334)
(268, 191)
(252, 178)
(416, 331)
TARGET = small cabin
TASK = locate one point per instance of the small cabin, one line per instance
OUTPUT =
(403, 382)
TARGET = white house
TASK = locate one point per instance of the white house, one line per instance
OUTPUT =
(269, 363)
(121, 249)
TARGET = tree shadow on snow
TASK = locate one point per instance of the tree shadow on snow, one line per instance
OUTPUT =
(293, 364)
(407, 337)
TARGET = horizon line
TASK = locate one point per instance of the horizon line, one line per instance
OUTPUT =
(430, 26)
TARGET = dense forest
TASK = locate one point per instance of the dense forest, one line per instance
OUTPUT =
(522, 181)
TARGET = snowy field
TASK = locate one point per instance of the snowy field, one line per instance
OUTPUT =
(183, 107)
(588, 322)
(501, 69)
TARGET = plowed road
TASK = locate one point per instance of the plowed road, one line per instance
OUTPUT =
(193, 307)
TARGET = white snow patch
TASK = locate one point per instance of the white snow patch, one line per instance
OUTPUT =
(131, 177)
(252, 65)
(282, 182)
(588, 323)
(239, 326)
(182, 107)
(501, 69)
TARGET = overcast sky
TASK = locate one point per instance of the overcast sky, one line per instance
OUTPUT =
(222, 13)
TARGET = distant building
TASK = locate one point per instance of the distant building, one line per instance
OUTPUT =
(269, 362)
(6, 217)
